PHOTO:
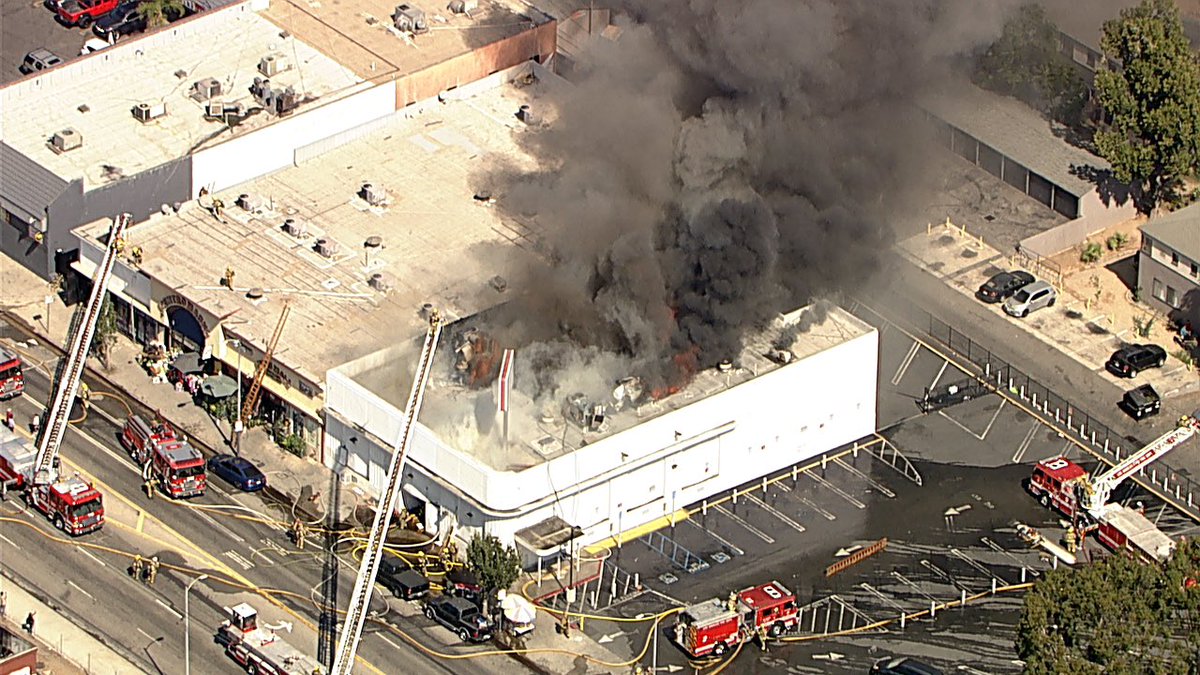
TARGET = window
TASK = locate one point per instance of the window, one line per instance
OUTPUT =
(1196, 269)
(1172, 297)
(1158, 292)
(1147, 245)
(1174, 258)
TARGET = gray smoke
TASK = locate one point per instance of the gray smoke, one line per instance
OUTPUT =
(724, 161)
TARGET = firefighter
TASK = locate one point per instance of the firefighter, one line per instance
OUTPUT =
(148, 486)
(136, 568)
(8, 420)
(299, 532)
(1072, 540)
(35, 423)
(762, 638)
(152, 570)
(85, 395)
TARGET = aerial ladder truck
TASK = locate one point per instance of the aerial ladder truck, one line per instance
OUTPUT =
(71, 503)
(360, 598)
(1068, 488)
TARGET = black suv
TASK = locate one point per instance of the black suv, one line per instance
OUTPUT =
(903, 665)
(1130, 360)
(1003, 285)
(1141, 402)
(404, 582)
(461, 616)
(122, 21)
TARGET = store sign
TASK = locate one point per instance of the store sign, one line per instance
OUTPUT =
(191, 307)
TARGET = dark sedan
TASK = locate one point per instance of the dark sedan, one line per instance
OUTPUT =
(1130, 360)
(1003, 285)
(122, 21)
(238, 472)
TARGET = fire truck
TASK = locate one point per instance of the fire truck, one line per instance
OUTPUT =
(260, 650)
(715, 626)
(12, 382)
(1068, 488)
(72, 504)
(166, 458)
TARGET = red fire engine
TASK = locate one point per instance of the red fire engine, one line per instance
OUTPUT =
(72, 504)
(260, 650)
(165, 457)
(12, 382)
(1066, 487)
(713, 627)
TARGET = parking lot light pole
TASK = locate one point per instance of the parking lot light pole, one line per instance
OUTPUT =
(187, 645)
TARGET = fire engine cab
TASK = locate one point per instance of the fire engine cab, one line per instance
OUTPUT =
(260, 650)
(12, 380)
(165, 457)
(713, 627)
(72, 504)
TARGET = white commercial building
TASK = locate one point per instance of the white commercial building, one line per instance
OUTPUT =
(766, 411)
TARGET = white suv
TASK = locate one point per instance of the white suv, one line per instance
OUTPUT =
(1031, 298)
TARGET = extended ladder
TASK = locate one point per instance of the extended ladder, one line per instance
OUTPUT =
(66, 380)
(1103, 485)
(261, 372)
(360, 598)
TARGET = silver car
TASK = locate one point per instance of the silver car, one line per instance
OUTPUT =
(1031, 298)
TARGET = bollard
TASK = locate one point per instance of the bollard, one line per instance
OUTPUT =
(795, 473)
(704, 508)
(932, 609)
(637, 580)
(1106, 446)
(1093, 438)
(764, 482)
(1054, 563)
(1035, 399)
(987, 369)
(993, 585)
(902, 618)
(1022, 574)
(735, 496)
(824, 459)
(962, 598)
(1022, 391)
(854, 452)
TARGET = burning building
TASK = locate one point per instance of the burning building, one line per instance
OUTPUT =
(604, 454)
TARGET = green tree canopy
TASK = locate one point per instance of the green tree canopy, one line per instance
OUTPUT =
(1153, 98)
(1115, 616)
(497, 566)
(105, 336)
(160, 12)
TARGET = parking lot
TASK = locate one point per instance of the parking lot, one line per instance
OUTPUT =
(952, 534)
(29, 25)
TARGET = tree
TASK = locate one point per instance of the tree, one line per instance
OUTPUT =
(105, 335)
(1153, 97)
(160, 12)
(1114, 616)
(1025, 62)
(495, 565)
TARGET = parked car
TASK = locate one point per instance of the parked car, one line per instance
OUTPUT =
(1031, 298)
(903, 665)
(1130, 360)
(93, 45)
(1141, 402)
(122, 21)
(1001, 286)
(83, 12)
(403, 581)
(238, 471)
(461, 616)
(39, 59)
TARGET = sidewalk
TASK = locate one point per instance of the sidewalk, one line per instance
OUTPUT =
(62, 647)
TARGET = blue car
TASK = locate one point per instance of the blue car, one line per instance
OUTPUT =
(238, 471)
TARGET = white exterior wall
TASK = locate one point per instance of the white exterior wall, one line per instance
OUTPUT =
(274, 147)
(632, 477)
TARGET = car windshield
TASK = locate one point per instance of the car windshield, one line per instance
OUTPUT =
(1022, 296)
(86, 509)
(190, 472)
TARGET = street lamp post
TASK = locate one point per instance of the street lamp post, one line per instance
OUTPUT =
(237, 420)
(187, 644)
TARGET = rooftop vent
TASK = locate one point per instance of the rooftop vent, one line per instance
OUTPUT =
(373, 194)
(66, 140)
(409, 19)
(146, 112)
(725, 366)
(527, 115)
(249, 202)
(299, 228)
(326, 247)
(463, 6)
(272, 64)
(205, 89)
(255, 294)
(373, 241)
(382, 282)
(499, 283)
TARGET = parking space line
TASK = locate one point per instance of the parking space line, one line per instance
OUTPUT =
(810, 503)
(912, 584)
(1024, 445)
(977, 565)
(886, 492)
(740, 521)
(783, 517)
(933, 384)
(908, 359)
(836, 489)
(988, 428)
(1000, 549)
(958, 424)
(946, 576)
(728, 544)
(877, 593)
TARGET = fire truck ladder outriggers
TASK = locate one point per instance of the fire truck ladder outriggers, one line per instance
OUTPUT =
(356, 613)
(66, 380)
(1096, 491)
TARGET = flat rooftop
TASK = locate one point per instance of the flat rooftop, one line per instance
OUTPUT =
(439, 244)
(94, 95)
(1017, 131)
(538, 431)
(361, 33)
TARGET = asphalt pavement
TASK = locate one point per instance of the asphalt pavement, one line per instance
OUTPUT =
(26, 25)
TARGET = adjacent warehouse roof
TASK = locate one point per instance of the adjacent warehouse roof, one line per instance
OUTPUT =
(1179, 230)
(95, 95)
(1016, 131)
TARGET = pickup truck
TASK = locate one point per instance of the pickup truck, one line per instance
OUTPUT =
(82, 13)
(461, 616)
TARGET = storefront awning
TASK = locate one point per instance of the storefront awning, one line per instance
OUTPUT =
(219, 386)
(548, 537)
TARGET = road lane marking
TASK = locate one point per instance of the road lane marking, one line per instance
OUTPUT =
(777, 513)
(728, 544)
(10, 542)
(85, 552)
(169, 608)
(389, 641)
(884, 490)
(80, 589)
(148, 636)
(739, 520)
(845, 495)
(219, 526)
(908, 359)
(1024, 446)
(237, 558)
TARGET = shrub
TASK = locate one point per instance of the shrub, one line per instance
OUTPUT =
(294, 444)
(1117, 241)
(1142, 327)
(1091, 252)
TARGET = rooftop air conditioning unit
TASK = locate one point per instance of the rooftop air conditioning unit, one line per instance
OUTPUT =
(382, 282)
(214, 108)
(145, 112)
(207, 88)
(66, 140)
(249, 202)
(463, 6)
(327, 247)
(409, 19)
(299, 228)
(272, 64)
(373, 194)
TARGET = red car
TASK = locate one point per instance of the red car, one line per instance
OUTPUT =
(82, 13)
